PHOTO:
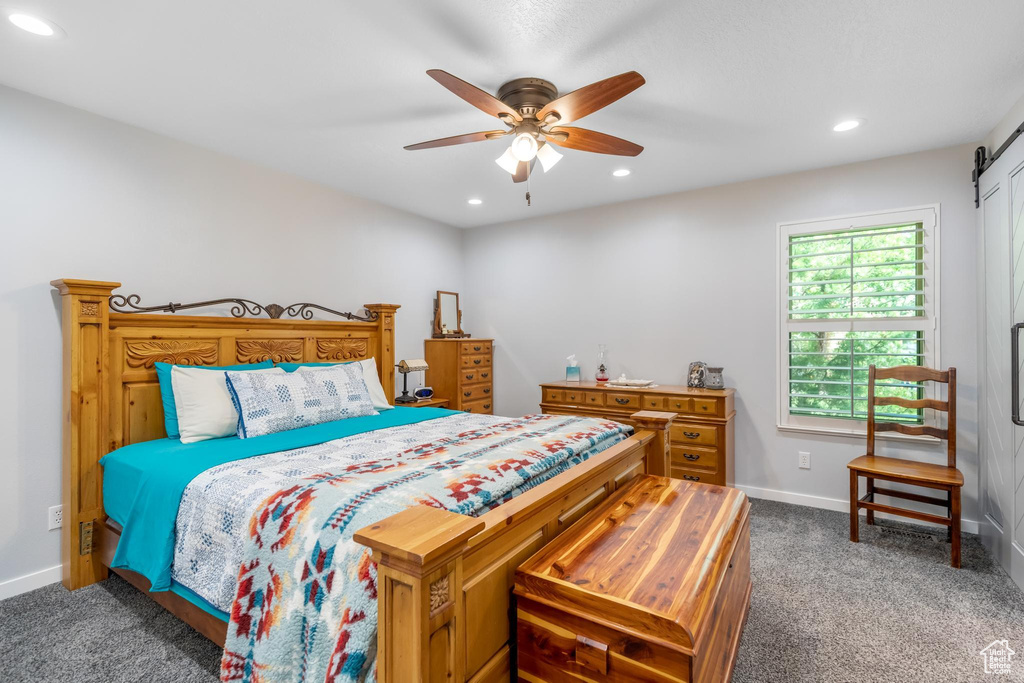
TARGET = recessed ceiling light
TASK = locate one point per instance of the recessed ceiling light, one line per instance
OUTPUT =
(844, 126)
(34, 25)
(621, 172)
(474, 201)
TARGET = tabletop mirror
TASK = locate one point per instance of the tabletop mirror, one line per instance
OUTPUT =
(447, 316)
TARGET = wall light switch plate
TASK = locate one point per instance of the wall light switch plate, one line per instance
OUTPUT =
(805, 460)
(55, 517)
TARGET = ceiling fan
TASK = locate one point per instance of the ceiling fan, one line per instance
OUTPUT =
(535, 116)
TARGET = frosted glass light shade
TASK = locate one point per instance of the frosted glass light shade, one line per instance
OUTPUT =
(524, 147)
(548, 157)
(508, 161)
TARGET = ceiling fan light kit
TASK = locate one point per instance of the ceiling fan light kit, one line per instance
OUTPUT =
(535, 114)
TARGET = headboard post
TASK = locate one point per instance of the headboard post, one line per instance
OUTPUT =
(386, 352)
(85, 329)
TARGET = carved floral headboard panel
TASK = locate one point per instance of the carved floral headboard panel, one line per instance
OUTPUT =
(138, 342)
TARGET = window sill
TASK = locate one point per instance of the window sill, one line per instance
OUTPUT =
(859, 434)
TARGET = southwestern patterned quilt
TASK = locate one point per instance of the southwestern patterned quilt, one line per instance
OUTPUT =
(303, 603)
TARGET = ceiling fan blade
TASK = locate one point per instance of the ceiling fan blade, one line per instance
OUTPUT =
(523, 171)
(588, 99)
(483, 101)
(592, 141)
(459, 139)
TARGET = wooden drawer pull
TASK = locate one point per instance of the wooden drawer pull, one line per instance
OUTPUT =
(691, 456)
(487, 390)
(487, 406)
(691, 435)
(622, 401)
(485, 375)
(690, 477)
(467, 394)
(469, 376)
(477, 348)
(477, 361)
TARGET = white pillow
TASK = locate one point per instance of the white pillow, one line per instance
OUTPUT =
(204, 405)
(370, 376)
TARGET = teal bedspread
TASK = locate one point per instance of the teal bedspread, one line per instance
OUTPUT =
(143, 483)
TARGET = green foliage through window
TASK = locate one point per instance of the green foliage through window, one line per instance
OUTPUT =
(865, 274)
(828, 373)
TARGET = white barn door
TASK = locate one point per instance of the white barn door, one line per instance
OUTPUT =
(1001, 224)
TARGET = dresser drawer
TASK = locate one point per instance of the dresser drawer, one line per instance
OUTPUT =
(694, 434)
(694, 456)
(654, 402)
(475, 376)
(574, 396)
(484, 407)
(679, 404)
(554, 396)
(703, 406)
(622, 400)
(475, 347)
(593, 398)
(476, 361)
(475, 392)
(697, 474)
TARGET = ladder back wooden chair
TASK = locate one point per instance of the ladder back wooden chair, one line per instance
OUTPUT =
(927, 475)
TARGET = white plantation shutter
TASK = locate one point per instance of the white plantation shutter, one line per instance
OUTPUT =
(854, 291)
(856, 274)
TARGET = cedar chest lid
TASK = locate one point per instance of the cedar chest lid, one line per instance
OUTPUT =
(648, 560)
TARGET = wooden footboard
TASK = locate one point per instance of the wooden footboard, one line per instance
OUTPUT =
(444, 580)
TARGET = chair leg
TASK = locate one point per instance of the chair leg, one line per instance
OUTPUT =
(955, 529)
(871, 489)
(854, 508)
(949, 510)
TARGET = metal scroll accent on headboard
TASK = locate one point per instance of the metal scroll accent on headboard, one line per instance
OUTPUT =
(240, 308)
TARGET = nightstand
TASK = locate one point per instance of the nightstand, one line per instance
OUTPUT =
(429, 403)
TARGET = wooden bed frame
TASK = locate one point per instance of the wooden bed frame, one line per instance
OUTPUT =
(444, 580)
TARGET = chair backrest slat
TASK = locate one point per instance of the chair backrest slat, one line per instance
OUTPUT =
(912, 402)
(912, 430)
(913, 373)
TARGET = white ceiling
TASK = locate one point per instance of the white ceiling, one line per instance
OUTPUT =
(332, 89)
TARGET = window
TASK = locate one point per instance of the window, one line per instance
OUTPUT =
(853, 292)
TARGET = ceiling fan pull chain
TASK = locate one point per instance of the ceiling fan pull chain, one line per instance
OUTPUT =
(528, 185)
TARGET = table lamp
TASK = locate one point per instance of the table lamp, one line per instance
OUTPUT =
(405, 367)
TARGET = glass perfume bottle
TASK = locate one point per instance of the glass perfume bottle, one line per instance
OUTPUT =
(602, 363)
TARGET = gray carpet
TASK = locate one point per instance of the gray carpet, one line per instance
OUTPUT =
(889, 609)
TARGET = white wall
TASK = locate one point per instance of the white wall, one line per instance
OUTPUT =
(688, 276)
(86, 197)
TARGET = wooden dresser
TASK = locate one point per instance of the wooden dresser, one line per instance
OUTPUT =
(461, 370)
(701, 436)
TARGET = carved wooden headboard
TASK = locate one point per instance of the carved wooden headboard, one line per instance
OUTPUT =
(111, 394)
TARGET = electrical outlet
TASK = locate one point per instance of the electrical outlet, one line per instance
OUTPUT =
(805, 460)
(56, 517)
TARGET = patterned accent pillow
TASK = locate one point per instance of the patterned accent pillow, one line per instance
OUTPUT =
(269, 403)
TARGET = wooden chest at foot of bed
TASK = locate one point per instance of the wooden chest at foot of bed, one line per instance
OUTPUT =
(651, 585)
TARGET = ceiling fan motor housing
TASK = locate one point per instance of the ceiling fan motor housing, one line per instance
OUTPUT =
(527, 95)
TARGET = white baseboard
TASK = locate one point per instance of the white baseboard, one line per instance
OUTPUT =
(29, 582)
(838, 504)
